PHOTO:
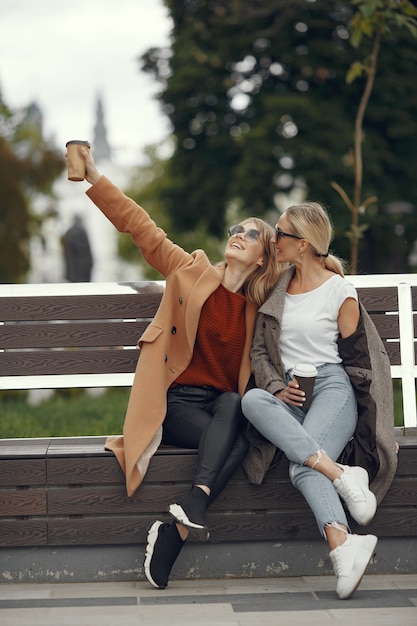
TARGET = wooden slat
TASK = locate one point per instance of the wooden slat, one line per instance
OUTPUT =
(387, 325)
(70, 334)
(23, 502)
(44, 362)
(393, 351)
(155, 499)
(22, 472)
(112, 306)
(407, 461)
(414, 297)
(66, 471)
(294, 525)
(403, 492)
(84, 471)
(379, 298)
(23, 533)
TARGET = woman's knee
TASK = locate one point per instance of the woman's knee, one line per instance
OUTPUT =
(252, 401)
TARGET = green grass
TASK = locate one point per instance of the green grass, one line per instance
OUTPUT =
(74, 413)
(69, 413)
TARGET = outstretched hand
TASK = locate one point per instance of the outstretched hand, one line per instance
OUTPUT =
(92, 173)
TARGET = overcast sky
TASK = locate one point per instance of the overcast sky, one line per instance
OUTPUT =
(63, 53)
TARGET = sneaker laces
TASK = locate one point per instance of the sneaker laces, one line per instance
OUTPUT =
(347, 491)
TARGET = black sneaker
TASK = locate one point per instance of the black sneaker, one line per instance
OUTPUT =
(190, 510)
(163, 546)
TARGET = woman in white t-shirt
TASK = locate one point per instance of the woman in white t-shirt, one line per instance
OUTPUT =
(303, 326)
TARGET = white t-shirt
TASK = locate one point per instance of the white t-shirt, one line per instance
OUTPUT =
(309, 329)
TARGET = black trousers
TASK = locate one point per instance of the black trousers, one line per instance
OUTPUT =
(211, 421)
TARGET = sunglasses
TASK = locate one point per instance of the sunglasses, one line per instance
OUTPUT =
(280, 233)
(250, 235)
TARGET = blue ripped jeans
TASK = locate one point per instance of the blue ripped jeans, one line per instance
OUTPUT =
(328, 425)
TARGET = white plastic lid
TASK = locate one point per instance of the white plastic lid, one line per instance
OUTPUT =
(304, 369)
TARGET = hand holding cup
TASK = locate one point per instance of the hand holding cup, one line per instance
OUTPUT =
(305, 375)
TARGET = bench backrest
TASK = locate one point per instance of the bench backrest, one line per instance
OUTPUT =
(81, 335)
(85, 334)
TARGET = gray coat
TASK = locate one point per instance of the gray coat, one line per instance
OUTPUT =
(367, 364)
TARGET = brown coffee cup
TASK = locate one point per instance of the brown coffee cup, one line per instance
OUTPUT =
(305, 375)
(75, 161)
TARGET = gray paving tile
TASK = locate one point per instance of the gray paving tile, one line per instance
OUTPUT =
(290, 601)
(36, 603)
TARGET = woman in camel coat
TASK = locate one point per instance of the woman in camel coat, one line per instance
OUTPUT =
(194, 363)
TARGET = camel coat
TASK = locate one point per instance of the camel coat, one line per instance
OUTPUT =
(168, 342)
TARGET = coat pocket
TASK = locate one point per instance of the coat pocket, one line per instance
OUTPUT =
(150, 334)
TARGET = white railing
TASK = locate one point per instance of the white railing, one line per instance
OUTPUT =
(407, 371)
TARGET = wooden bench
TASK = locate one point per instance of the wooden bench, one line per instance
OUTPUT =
(64, 500)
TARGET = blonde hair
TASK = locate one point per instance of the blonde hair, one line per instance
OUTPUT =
(311, 221)
(259, 284)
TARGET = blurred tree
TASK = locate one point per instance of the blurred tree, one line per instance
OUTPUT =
(262, 115)
(28, 167)
(372, 19)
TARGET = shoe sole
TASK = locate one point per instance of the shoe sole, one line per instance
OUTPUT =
(364, 555)
(197, 530)
(151, 541)
(370, 497)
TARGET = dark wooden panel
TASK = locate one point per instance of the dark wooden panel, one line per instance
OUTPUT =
(387, 326)
(22, 502)
(112, 306)
(106, 470)
(414, 297)
(294, 525)
(391, 522)
(71, 334)
(133, 529)
(379, 298)
(82, 471)
(41, 362)
(407, 462)
(111, 500)
(22, 472)
(402, 492)
(20, 533)
(393, 351)
(94, 531)
(156, 498)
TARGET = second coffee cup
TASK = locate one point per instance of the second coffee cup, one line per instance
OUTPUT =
(305, 375)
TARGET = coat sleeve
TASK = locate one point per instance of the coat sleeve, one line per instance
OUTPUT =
(361, 448)
(265, 373)
(373, 444)
(128, 217)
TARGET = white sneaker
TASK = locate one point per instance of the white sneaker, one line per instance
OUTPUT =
(349, 562)
(353, 487)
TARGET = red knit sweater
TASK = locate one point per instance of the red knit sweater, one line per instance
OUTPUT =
(219, 343)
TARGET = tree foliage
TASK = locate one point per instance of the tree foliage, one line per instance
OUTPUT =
(373, 19)
(262, 114)
(28, 166)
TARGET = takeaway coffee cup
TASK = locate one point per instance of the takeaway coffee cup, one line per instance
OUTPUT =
(75, 161)
(305, 375)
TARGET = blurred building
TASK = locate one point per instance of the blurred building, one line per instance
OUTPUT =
(47, 254)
